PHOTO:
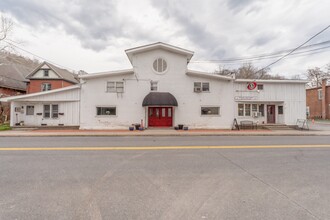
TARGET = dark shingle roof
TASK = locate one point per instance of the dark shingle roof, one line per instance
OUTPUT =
(12, 75)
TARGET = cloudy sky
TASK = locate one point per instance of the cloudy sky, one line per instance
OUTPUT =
(92, 35)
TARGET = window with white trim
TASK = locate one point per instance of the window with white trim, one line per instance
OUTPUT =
(319, 94)
(210, 110)
(250, 109)
(280, 110)
(247, 109)
(46, 73)
(46, 87)
(201, 86)
(29, 110)
(240, 109)
(54, 111)
(106, 111)
(260, 87)
(113, 86)
(51, 111)
(153, 85)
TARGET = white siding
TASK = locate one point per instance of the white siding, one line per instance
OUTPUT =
(68, 102)
(40, 74)
(292, 96)
(175, 81)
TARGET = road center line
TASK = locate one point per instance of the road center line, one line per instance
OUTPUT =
(156, 148)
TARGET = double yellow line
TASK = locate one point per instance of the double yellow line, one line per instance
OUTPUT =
(156, 148)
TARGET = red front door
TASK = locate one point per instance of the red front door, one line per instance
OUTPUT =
(160, 116)
(271, 114)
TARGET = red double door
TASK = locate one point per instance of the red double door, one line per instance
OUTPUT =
(160, 116)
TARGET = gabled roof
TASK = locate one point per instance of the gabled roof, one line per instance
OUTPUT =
(159, 45)
(62, 73)
(108, 73)
(13, 98)
(208, 75)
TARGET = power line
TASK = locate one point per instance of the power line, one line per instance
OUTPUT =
(266, 55)
(296, 54)
(38, 56)
(276, 61)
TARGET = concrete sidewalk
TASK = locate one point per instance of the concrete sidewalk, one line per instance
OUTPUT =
(162, 132)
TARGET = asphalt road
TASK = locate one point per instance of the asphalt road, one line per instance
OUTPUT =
(270, 182)
(159, 141)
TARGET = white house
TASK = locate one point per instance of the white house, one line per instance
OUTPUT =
(160, 91)
(58, 107)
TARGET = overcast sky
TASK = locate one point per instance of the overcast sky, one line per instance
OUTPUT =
(92, 35)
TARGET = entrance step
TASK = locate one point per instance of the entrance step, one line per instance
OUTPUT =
(276, 127)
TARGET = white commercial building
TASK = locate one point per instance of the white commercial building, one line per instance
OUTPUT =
(160, 91)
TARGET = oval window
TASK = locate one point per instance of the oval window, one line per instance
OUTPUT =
(160, 65)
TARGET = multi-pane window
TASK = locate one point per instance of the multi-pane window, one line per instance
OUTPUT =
(50, 111)
(201, 86)
(46, 87)
(205, 87)
(249, 109)
(46, 73)
(115, 86)
(54, 111)
(260, 87)
(30, 110)
(210, 110)
(153, 85)
(105, 110)
(46, 111)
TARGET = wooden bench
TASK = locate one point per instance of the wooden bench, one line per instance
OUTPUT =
(248, 125)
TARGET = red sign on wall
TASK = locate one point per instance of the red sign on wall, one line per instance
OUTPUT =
(252, 85)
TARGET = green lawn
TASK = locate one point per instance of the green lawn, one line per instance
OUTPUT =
(4, 127)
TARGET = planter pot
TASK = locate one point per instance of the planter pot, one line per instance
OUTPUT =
(141, 129)
(180, 127)
(137, 126)
(185, 128)
(131, 128)
(176, 128)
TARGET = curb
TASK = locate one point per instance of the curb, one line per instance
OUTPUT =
(155, 135)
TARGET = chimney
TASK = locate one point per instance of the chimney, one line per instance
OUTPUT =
(324, 99)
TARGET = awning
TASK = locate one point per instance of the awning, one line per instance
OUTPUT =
(159, 99)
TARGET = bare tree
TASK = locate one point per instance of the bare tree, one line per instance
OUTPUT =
(6, 26)
(297, 77)
(315, 75)
(249, 71)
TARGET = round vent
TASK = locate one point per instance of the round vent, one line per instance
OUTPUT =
(160, 65)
